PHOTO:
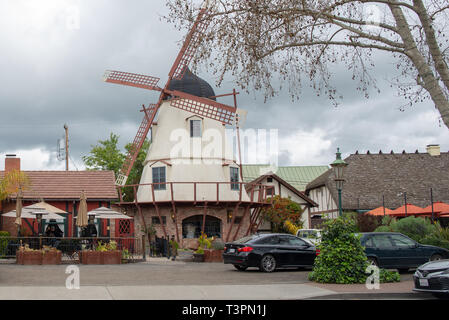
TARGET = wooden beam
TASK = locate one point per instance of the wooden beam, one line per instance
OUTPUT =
(232, 221)
(241, 222)
(204, 217)
(174, 212)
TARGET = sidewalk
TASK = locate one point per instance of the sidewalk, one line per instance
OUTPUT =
(218, 292)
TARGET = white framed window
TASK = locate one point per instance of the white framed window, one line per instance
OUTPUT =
(195, 128)
(234, 178)
(159, 177)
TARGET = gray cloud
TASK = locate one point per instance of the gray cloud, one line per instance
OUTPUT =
(51, 75)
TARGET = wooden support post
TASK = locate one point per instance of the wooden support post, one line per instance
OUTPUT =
(204, 217)
(174, 211)
(194, 193)
(240, 224)
(232, 221)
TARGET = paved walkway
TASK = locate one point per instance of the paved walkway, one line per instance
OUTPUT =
(190, 292)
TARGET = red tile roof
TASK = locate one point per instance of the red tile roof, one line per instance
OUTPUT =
(411, 210)
(68, 185)
(379, 211)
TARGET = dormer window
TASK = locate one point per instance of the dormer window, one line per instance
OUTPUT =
(195, 128)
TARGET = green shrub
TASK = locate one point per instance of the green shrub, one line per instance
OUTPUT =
(389, 276)
(439, 238)
(415, 228)
(342, 258)
(4, 238)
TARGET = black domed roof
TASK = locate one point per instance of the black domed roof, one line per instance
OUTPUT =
(192, 84)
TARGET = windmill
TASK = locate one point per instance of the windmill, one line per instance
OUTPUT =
(204, 107)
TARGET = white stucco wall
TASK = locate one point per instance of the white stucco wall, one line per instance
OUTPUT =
(326, 203)
(205, 159)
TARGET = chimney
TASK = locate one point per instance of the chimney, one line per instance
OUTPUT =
(12, 163)
(433, 149)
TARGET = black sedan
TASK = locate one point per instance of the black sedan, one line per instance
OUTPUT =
(396, 251)
(269, 251)
(433, 277)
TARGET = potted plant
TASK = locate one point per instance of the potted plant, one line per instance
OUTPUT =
(204, 243)
(51, 255)
(125, 255)
(215, 253)
(104, 253)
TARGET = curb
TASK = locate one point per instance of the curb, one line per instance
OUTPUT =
(376, 296)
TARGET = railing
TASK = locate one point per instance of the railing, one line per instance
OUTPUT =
(255, 192)
(71, 246)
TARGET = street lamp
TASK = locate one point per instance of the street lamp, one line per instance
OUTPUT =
(339, 165)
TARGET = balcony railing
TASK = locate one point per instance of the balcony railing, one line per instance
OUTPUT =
(195, 192)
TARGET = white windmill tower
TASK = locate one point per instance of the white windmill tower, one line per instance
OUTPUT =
(182, 187)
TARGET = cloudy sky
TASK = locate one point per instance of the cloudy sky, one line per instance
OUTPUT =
(54, 53)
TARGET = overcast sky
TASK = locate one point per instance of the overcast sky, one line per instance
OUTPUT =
(54, 53)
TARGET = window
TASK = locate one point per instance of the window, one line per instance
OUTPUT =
(293, 241)
(195, 128)
(382, 241)
(269, 179)
(158, 177)
(191, 227)
(234, 178)
(155, 220)
(401, 241)
(269, 240)
(270, 191)
(237, 220)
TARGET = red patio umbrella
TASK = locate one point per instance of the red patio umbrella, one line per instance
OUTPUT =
(440, 209)
(379, 211)
(412, 210)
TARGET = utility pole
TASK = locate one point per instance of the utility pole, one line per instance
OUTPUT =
(66, 147)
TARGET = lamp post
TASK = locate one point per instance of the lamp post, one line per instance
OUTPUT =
(339, 165)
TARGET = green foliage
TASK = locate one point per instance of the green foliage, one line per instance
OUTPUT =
(200, 250)
(4, 238)
(283, 209)
(110, 246)
(389, 276)
(439, 237)
(106, 155)
(125, 254)
(415, 228)
(342, 258)
(205, 242)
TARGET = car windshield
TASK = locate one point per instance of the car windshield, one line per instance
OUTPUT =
(246, 239)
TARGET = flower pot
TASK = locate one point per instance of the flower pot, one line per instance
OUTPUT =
(198, 257)
(111, 257)
(52, 257)
(29, 257)
(90, 257)
(213, 255)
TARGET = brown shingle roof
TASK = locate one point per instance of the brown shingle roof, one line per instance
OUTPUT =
(369, 176)
(69, 184)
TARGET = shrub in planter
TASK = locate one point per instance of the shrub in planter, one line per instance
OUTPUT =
(342, 257)
(4, 237)
(198, 255)
(212, 255)
(51, 255)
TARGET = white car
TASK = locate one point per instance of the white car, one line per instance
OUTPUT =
(312, 235)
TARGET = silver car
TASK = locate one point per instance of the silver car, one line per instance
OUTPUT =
(433, 277)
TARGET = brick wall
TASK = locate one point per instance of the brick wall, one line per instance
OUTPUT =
(186, 212)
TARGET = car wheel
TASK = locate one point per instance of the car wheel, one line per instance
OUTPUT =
(435, 257)
(372, 261)
(240, 268)
(403, 270)
(268, 263)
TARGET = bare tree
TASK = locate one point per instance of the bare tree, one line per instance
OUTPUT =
(255, 40)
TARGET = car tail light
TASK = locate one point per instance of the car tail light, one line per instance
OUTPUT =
(317, 252)
(224, 249)
(245, 249)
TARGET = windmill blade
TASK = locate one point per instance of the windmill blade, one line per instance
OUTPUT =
(190, 45)
(202, 106)
(147, 121)
(132, 79)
